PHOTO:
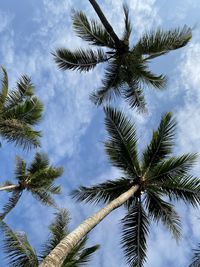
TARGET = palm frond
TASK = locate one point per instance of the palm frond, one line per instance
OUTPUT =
(20, 170)
(91, 31)
(134, 96)
(82, 60)
(44, 197)
(104, 192)
(135, 231)
(29, 111)
(79, 255)
(196, 258)
(16, 246)
(23, 91)
(40, 162)
(4, 87)
(12, 202)
(186, 188)
(121, 146)
(44, 177)
(160, 42)
(22, 134)
(146, 77)
(162, 211)
(161, 143)
(111, 84)
(127, 23)
(172, 167)
(58, 230)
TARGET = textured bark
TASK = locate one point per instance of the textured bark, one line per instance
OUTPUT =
(61, 251)
(105, 22)
(9, 187)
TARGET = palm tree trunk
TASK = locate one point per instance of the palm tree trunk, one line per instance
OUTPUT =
(61, 251)
(105, 22)
(9, 187)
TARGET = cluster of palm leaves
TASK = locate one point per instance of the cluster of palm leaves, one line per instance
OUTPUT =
(37, 178)
(20, 110)
(21, 254)
(127, 70)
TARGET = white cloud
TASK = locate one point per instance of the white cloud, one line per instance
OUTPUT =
(5, 20)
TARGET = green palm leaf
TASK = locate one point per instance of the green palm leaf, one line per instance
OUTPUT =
(146, 77)
(80, 255)
(186, 188)
(122, 144)
(28, 111)
(134, 96)
(159, 42)
(40, 162)
(13, 130)
(23, 91)
(16, 246)
(58, 230)
(172, 167)
(196, 258)
(91, 31)
(104, 192)
(127, 23)
(111, 84)
(161, 143)
(4, 88)
(82, 60)
(12, 202)
(162, 211)
(135, 231)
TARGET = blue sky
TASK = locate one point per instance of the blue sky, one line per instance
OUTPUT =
(73, 128)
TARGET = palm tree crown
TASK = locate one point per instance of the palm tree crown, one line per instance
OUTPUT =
(127, 68)
(37, 178)
(21, 254)
(20, 109)
(157, 174)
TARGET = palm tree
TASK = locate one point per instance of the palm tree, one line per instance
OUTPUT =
(127, 68)
(196, 258)
(146, 180)
(21, 254)
(20, 110)
(37, 178)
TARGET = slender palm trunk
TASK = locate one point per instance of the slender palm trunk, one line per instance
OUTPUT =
(9, 187)
(105, 22)
(61, 251)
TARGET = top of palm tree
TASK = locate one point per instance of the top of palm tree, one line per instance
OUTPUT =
(127, 68)
(19, 252)
(37, 178)
(158, 174)
(20, 110)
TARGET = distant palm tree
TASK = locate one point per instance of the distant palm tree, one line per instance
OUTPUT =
(37, 178)
(196, 258)
(20, 110)
(21, 254)
(146, 180)
(127, 68)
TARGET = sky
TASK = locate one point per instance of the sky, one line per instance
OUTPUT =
(73, 129)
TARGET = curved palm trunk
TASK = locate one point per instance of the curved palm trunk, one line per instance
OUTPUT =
(9, 187)
(105, 22)
(61, 251)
